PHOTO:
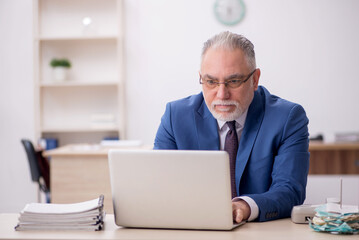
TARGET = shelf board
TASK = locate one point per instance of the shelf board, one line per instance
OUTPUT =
(79, 129)
(77, 84)
(72, 38)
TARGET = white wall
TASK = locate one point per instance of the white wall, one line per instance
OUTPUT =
(321, 187)
(16, 104)
(307, 50)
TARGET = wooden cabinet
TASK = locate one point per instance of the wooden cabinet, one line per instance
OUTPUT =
(80, 172)
(334, 158)
(80, 177)
(89, 104)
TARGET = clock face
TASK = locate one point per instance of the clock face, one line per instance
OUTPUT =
(229, 12)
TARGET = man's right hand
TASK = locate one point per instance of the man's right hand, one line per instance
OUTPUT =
(241, 211)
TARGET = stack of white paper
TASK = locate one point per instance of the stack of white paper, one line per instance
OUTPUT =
(87, 215)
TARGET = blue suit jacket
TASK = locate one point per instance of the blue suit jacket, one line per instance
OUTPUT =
(272, 160)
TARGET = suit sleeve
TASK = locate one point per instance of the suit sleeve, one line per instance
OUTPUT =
(165, 138)
(290, 170)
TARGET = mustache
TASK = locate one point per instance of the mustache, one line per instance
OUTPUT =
(224, 102)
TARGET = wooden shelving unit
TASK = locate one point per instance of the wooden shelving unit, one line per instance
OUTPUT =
(89, 105)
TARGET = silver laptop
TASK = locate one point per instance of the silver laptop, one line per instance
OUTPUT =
(171, 189)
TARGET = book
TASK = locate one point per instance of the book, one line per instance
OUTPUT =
(88, 215)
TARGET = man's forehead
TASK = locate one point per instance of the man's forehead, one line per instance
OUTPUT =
(218, 59)
(225, 66)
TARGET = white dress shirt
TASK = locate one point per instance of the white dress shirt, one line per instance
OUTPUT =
(222, 130)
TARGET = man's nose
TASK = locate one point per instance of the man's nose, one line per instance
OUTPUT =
(222, 92)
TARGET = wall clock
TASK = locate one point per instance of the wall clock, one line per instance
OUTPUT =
(229, 12)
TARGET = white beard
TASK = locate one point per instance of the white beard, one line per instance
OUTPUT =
(225, 115)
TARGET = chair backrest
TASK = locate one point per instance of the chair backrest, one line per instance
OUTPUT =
(32, 158)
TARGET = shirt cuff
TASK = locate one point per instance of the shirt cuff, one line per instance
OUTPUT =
(252, 205)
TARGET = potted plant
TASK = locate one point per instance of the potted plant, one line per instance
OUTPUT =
(60, 67)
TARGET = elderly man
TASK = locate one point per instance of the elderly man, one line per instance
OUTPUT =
(265, 136)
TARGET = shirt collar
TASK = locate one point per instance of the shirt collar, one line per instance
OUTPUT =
(241, 120)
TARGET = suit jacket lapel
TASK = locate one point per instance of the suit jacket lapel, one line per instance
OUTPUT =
(250, 131)
(207, 129)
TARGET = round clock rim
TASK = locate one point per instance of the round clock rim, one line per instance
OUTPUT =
(230, 23)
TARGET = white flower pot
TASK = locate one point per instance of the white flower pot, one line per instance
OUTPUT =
(60, 73)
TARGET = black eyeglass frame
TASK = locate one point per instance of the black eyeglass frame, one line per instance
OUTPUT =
(226, 83)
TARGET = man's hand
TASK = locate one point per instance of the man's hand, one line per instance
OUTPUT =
(241, 211)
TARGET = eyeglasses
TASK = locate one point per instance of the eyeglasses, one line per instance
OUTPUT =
(233, 83)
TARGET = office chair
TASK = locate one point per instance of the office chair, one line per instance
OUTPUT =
(39, 168)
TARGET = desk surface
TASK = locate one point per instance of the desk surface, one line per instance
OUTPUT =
(278, 229)
(98, 150)
(320, 146)
(88, 149)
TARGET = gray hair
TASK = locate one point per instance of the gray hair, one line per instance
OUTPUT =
(231, 41)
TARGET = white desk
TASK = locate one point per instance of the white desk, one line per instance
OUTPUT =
(273, 230)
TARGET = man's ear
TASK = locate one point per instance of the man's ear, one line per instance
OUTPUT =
(256, 77)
